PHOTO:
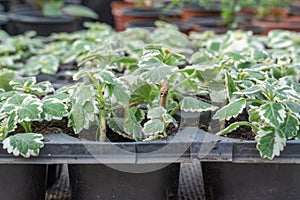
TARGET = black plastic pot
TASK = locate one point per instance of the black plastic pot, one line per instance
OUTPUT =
(91, 182)
(248, 181)
(53, 173)
(102, 8)
(29, 19)
(233, 169)
(22, 181)
(4, 5)
(3, 20)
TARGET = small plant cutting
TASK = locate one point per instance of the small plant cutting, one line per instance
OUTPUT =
(146, 99)
(25, 103)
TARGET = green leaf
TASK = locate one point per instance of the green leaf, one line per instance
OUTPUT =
(254, 114)
(31, 110)
(63, 97)
(18, 98)
(52, 9)
(48, 64)
(140, 90)
(290, 127)
(83, 94)
(273, 113)
(231, 110)
(54, 109)
(80, 11)
(5, 78)
(157, 74)
(116, 124)
(260, 55)
(270, 141)
(7, 125)
(293, 108)
(190, 104)
(231, 88)
(156, 113)
(6, 95)
(234, 126)
(26, 144)
(41, 88)
(83, 115)
(251, 90)
(153, 127)
(131, 124)
(120, 92)
(23, 83)
(105, 76)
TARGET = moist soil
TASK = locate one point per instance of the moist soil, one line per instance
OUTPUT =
(243, 132)
(47, 127)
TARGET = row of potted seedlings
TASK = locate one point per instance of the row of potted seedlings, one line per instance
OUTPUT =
(142, 102)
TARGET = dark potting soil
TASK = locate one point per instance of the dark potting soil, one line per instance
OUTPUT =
(115, 137)
(47, 127)
(243, 132)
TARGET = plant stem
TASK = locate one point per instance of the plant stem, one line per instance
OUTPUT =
(165, 132)
(26, 126)
(102, 125)
(183, 81)
(175, 109)
(163, 94)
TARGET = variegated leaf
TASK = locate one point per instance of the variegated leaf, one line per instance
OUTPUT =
(18, 98)
(22, 83)
(270, 141)
(156, 113)
(153, 127)
(7, 125)
(48, 64)
(254, 114)
(105, 76)
(233, 127)
(157, 74)
(41, 88)
(25, 144)
(231, 88)
(82, 115)
(6, 95)
(116, 124)
(250, 90)
(273, 113)
(131, 125)
(63, 97)
(54, 109)
(120, 92)
(168, 119)
(290, 127)
(31, 110)
(190, 104)
(231, 110)
(293, 107)
(83, 94)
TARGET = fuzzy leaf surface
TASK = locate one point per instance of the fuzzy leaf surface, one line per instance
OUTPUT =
(273, 113)
(231, 110)
(270, 141)
(54, 109)
(25, 144)
(190, 104)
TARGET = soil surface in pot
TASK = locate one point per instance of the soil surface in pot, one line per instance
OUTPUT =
(47, 127)
(243, 132)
